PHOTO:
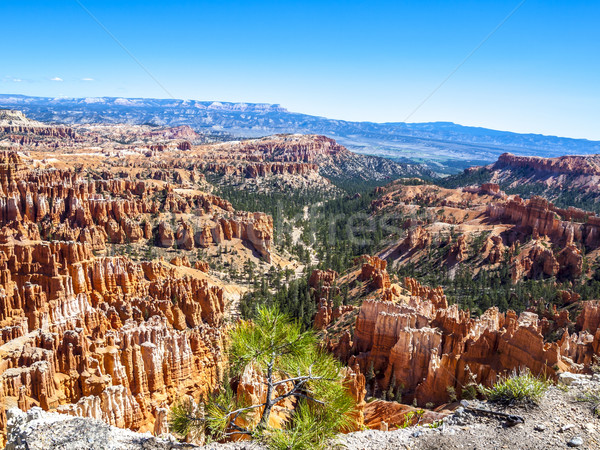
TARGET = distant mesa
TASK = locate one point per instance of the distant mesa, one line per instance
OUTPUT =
(12, 116)
(15, 122)
(446, 147)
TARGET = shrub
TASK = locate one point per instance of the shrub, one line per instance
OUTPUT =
(469, 392)
(517, 388)
(412, 418)
(451, 393)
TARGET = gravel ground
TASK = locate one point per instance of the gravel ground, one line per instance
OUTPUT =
(559, 421)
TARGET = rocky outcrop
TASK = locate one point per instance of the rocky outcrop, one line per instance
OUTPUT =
(97, 336)
(435, 295)
(37, 430)
(166, 237)
(570, 261)
(483, 227)
(263, 170)
(534, 261)
(104, 337)
(260, 170)
(321, 281)
(258, 230)
(71, 207)
(16, 123)
(427, 347)
(570, 165)
(12, 169)
(459, 250)
(490, 188)
(560, 225)
(589, 318)
(307, 153)
(494, 248)
(380, 415)
(293, 148)
(540, 259)
(417, 238)
(374, 273)
(92, 335)
(50, 131)
(355, 383)
(252, 390)
(325, 294)
(327, 313)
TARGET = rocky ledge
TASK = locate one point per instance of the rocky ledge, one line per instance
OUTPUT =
(565, 417)
(41, 430)
(37, 429)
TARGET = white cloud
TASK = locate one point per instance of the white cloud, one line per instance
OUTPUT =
(56, 79)
(16, 80)
(87, 79)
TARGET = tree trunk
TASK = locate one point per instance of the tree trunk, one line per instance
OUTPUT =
(264, 420)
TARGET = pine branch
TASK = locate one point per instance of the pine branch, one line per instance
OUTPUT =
(302, 379)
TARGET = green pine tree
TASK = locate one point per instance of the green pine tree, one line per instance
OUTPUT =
(292, 365)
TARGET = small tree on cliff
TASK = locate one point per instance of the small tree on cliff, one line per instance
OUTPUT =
(292, 366)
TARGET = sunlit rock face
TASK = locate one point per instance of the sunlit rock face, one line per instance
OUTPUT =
(533, 237)
(420, 343)
(103, 336)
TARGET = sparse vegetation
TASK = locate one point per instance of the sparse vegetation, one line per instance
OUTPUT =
(451, 393)
(412, 418)
(520, 387)
(591, 396)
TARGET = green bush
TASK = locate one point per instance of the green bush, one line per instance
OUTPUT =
(518, 388)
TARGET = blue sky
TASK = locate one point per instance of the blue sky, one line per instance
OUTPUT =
(354, 60)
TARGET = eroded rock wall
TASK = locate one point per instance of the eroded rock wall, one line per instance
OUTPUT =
(104, 336)
(424, 348)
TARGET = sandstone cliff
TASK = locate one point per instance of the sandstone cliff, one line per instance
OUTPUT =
(100, 336)
(573, 165)
(420, 348)
(68, 205)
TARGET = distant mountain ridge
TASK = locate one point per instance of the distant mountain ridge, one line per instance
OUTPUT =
(445, 146)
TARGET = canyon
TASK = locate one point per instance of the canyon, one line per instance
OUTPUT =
(423, 350)
(93, 335)
(90, 328)
(482, 226)
(124, 259)
(109, 310)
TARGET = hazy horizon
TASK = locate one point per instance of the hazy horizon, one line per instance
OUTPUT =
(16, 107)
(524, 67)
